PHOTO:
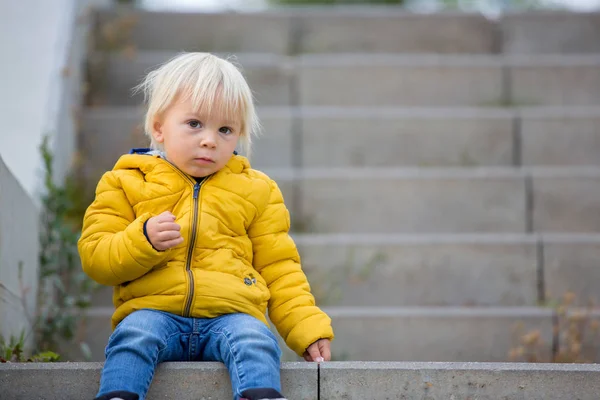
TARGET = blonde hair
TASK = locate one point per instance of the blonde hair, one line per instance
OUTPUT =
(213, 84)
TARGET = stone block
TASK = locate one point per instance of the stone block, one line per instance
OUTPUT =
(427, 270)
(484, 381)
(551, 32)
(555, 80)
(436, 334)
(116, 75)
(399, 80)
(409, 201)
(571, 265)
(367, 137)
(390, 31)
(561, 137)
(263, 32)
(566, 201)
(175, 380)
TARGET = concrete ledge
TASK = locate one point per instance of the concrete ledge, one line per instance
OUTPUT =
(336, 380)
(350, 381)
(182, 381)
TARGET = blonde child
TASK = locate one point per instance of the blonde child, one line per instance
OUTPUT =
(196, 244)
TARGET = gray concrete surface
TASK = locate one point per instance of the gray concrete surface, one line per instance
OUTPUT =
(571, 265)
(436, 333)
(550, 32)
(19, 265)
(401, 333)
(394, 32)
(560, 136)
(344, 137)
(437, 381)
(231, 32)
(427, 270)
(338, 380)
(370, 200)
(555, 80)
(385, 30)
(184, 381)
(400, 80)
(566, 201)
(422, 137)
(267, 75)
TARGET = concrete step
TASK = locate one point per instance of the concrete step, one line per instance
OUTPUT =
(332, 381)
(434, 80)
(382, 80)
(383, 30)
(445, 270)
(399, 333)
(427, 270)
(114, 75)
(450, 200)
(344, 137)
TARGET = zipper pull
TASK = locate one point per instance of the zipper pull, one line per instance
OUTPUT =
(196, 190)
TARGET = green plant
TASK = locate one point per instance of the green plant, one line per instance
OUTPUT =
(14, 351)
(65, 290)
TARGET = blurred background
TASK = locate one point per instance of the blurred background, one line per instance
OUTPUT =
(440, 160)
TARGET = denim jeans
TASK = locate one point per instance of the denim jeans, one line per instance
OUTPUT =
(145, 338)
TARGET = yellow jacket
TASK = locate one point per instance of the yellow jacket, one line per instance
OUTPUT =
(237, 255)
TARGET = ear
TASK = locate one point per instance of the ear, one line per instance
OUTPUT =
(157, 131)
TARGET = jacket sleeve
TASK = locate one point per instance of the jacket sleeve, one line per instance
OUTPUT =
(292, 307)
(113, 247)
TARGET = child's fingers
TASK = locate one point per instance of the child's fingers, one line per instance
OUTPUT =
(166, 216)
(172, 243)
(169, 226)
(325, 349)
(315, 354)
(163, 236)
(307, 357)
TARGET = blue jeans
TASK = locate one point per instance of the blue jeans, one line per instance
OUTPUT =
(145, 338)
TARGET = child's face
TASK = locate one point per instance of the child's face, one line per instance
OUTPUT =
(199, 145)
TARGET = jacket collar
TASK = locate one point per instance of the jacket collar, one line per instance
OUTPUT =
(236, 164)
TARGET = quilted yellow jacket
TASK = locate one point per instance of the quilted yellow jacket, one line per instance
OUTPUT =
(237, 255)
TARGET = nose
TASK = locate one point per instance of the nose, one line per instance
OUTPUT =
(209, 139)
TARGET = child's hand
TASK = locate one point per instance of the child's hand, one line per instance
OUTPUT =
(163, 232)
(319, 351)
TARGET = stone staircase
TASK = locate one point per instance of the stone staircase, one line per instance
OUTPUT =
(441, 170)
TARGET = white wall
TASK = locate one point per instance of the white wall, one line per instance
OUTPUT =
(35, 43)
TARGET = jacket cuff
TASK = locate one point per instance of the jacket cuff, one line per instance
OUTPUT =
(139, 246)
(304, 334)
(146, 234)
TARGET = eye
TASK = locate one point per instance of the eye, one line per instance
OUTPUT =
(226, 130)
(195, 124)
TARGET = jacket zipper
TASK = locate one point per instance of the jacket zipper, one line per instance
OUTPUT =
(190, 253)
(188, 261)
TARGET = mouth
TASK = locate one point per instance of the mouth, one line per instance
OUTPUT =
(204, 160)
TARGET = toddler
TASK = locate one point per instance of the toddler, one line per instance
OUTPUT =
(195, 243)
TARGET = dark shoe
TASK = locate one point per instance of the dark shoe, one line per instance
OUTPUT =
(119, 394)
(262, 394)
